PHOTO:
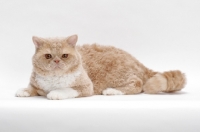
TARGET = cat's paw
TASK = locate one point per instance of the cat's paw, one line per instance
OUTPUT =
(22, 93)
(112, 91)
(62, 94)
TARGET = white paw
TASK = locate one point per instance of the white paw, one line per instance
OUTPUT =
(112, 91)
(62, 94)
(22, 93)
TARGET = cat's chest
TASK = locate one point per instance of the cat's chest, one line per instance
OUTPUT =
(55, 82)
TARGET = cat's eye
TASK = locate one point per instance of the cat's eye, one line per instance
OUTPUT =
(48, 56)
(64, 55)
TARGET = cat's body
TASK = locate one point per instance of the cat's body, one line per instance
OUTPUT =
(110, 67)
(62, 70)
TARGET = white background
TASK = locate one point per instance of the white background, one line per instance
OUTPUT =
(162, 34)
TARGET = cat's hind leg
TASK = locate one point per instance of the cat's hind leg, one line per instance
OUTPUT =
(132, 85)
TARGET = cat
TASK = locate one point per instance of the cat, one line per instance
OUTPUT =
(62, 69)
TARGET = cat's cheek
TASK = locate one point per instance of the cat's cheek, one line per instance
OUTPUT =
(64, 93)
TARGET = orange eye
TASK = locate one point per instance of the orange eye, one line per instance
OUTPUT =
(64, 55)
(48, 56)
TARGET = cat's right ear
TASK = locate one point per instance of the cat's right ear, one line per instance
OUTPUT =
(37, 41)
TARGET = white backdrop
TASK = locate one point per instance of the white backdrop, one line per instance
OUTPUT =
(162, 34)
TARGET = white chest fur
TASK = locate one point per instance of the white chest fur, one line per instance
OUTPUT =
(55, 82)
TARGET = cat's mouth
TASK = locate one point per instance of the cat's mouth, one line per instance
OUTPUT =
(57, 67)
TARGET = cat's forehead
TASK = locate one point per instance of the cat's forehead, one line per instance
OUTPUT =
(56, 42)
(56, 45)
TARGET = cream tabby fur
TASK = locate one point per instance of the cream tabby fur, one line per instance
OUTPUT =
(63, 70)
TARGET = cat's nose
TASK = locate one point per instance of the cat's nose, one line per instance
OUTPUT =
(56, 61)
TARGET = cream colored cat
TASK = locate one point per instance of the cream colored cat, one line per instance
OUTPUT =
(63, 70)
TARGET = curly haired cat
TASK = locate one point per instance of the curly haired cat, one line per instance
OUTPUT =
(63, 70)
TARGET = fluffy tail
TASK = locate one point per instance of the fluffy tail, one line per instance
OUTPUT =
(170, 81)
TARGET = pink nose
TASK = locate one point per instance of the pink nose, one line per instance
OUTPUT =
(56, 61)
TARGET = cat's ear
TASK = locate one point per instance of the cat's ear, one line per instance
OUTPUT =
(37, 41)
(72, 40)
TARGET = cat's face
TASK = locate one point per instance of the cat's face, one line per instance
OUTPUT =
(55, 56)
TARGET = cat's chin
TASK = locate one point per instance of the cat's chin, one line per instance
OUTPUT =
(56, 73)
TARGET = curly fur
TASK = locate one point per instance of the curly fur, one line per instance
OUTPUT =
(103, 70)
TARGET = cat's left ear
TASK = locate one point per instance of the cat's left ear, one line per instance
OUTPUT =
(37, 41)
(72, 40)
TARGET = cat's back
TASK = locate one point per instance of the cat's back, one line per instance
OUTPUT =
(99, 51)
(107, 58)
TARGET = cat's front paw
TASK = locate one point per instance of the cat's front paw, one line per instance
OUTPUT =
(22, 93)
(62, 94)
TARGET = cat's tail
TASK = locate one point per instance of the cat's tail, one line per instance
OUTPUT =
(169, 81)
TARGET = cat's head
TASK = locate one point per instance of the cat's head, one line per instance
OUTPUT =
(55, 56)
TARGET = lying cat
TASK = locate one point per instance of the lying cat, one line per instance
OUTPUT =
(63, 70)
